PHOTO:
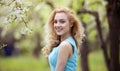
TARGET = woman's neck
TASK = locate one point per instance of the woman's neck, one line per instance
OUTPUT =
(63, 37)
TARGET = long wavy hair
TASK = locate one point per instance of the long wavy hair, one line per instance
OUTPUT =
(52, 39)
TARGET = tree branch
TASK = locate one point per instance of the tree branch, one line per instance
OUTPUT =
(98, 25)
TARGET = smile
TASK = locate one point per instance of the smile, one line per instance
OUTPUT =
(58, 30)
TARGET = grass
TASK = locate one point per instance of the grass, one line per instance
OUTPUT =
(96, 63)
(23, 64)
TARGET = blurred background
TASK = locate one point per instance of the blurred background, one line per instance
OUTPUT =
(22, 34)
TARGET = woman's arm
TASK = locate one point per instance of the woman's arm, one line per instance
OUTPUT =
(64, 52)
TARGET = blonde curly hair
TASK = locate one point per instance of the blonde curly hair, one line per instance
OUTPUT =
(52, 39)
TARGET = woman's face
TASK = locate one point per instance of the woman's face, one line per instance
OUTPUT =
(61, 24)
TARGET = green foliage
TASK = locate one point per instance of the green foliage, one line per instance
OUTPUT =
(90, 22)
(92, 36)
(77, 4)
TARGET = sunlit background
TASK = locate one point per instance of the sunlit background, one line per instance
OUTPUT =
(22, 32)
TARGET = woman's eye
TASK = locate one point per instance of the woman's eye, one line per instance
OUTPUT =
(62, 21)
(55, 21)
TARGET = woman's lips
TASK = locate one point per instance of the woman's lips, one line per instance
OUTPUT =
(58, 30)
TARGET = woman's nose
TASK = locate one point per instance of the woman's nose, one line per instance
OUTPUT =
(57, 24)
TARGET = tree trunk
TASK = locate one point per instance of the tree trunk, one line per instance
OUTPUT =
(84, 50)
(84, 56)
(98, 25)
(37, 48)
(113, 14)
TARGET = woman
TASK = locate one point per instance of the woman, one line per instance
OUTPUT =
(64, 36)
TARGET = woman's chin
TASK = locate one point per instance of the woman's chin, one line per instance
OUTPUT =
(59, 34)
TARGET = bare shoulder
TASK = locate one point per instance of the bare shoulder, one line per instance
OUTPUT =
(65, 48)
(65, 44)
(64, 53)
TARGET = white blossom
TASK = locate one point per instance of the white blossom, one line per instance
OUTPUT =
(19, 1)
(105, 3)
(25, 9)
(4, 20)
(9, 20)
(39, 6)
(25, 30)
(13, 12)
(17, 11)
(28, 3)
(3, 1)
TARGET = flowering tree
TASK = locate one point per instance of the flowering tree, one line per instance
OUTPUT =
(14, 11)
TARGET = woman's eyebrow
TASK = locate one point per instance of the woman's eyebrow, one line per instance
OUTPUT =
(62, 19)
(58, 19)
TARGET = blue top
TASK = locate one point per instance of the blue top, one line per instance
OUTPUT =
(71, 62)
